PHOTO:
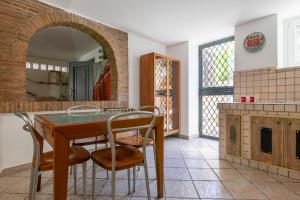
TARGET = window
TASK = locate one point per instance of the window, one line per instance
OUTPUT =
(50, 67)
(293, 42)
(64, 69)
(297, 48)
(43, 67)
(57, 68)
(39, 66)
(28, 65)
(35, 66)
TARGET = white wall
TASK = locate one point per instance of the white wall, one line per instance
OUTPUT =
(94, 54)
(138, 46)
(15, 144)
(187, 53)
(193, 89)
(268, 56)
(181, 52)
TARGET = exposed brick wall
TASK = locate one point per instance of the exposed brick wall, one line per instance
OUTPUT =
(21, 19)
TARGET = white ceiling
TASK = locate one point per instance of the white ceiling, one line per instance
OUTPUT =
(61, 43)
(173, 21)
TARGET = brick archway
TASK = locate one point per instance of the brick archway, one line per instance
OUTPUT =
(19, 21)
(84, 26)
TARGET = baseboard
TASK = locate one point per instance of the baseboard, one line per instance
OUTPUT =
(12, 170)
(188, 137)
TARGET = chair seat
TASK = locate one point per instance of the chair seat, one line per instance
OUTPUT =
(77, 155)
(126, 157)
(133, 140)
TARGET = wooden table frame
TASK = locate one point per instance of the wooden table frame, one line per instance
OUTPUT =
(59, 137)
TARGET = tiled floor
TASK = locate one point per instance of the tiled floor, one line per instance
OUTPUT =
(192, 171)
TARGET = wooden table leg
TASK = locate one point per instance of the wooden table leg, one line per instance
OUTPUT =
(159, 142)
(60, 171)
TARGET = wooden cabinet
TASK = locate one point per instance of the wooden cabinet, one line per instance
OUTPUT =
(292, 144)
(160, 86)
(233, 135)
(267, 140)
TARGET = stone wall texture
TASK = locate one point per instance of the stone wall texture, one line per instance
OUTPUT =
(20, 20)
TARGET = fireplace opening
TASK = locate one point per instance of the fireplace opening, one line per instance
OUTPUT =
(298, 144)
(266, 140)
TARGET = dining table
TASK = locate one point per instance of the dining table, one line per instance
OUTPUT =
(59, 129)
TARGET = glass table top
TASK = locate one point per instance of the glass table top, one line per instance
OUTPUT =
(80, 117)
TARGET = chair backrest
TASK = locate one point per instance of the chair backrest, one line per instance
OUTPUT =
(150, 107)
(30, 128)
(135, 115)
(83, 110)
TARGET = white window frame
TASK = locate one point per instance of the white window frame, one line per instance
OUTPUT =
(291, 41)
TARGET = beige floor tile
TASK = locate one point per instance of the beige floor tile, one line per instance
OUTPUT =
(229, 175)
(172, 154)
(258, 176)
(174, 162)
(177, 174)
(180, 189)
(203, 175)
(194, 163)
(284, 179)
(277, 191)
(8, 182)
(13, 196)
(99, 185)
(22, 187)
(242, 167)
(219, 164)
(187, 147)
(295, 187)
(141, 173)
(244, 190)
(121, 188)
(100, 173)
(210, 156)
(212, 189)
(191, 155)
(47, 188)
(140, 190)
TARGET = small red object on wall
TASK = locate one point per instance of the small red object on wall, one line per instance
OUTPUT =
(252, 99)
(243, 99)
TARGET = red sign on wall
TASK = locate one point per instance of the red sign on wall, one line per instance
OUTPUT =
(254, 42)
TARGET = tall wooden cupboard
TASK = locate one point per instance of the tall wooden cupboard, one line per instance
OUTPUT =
(160, 86)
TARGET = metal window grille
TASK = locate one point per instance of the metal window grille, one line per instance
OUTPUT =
(216, 83)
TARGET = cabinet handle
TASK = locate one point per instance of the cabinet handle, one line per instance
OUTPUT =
(278, 121)
(289, 123)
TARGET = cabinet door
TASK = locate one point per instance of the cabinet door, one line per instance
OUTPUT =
(160, 87)
(292, 144)
(233, 135)
(267, 140)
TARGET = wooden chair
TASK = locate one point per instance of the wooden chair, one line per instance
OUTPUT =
(125, 156)
(137, 140)
(86, 110)
(44, 161)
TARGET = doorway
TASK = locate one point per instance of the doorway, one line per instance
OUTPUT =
(216, 60)
(81, 80)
